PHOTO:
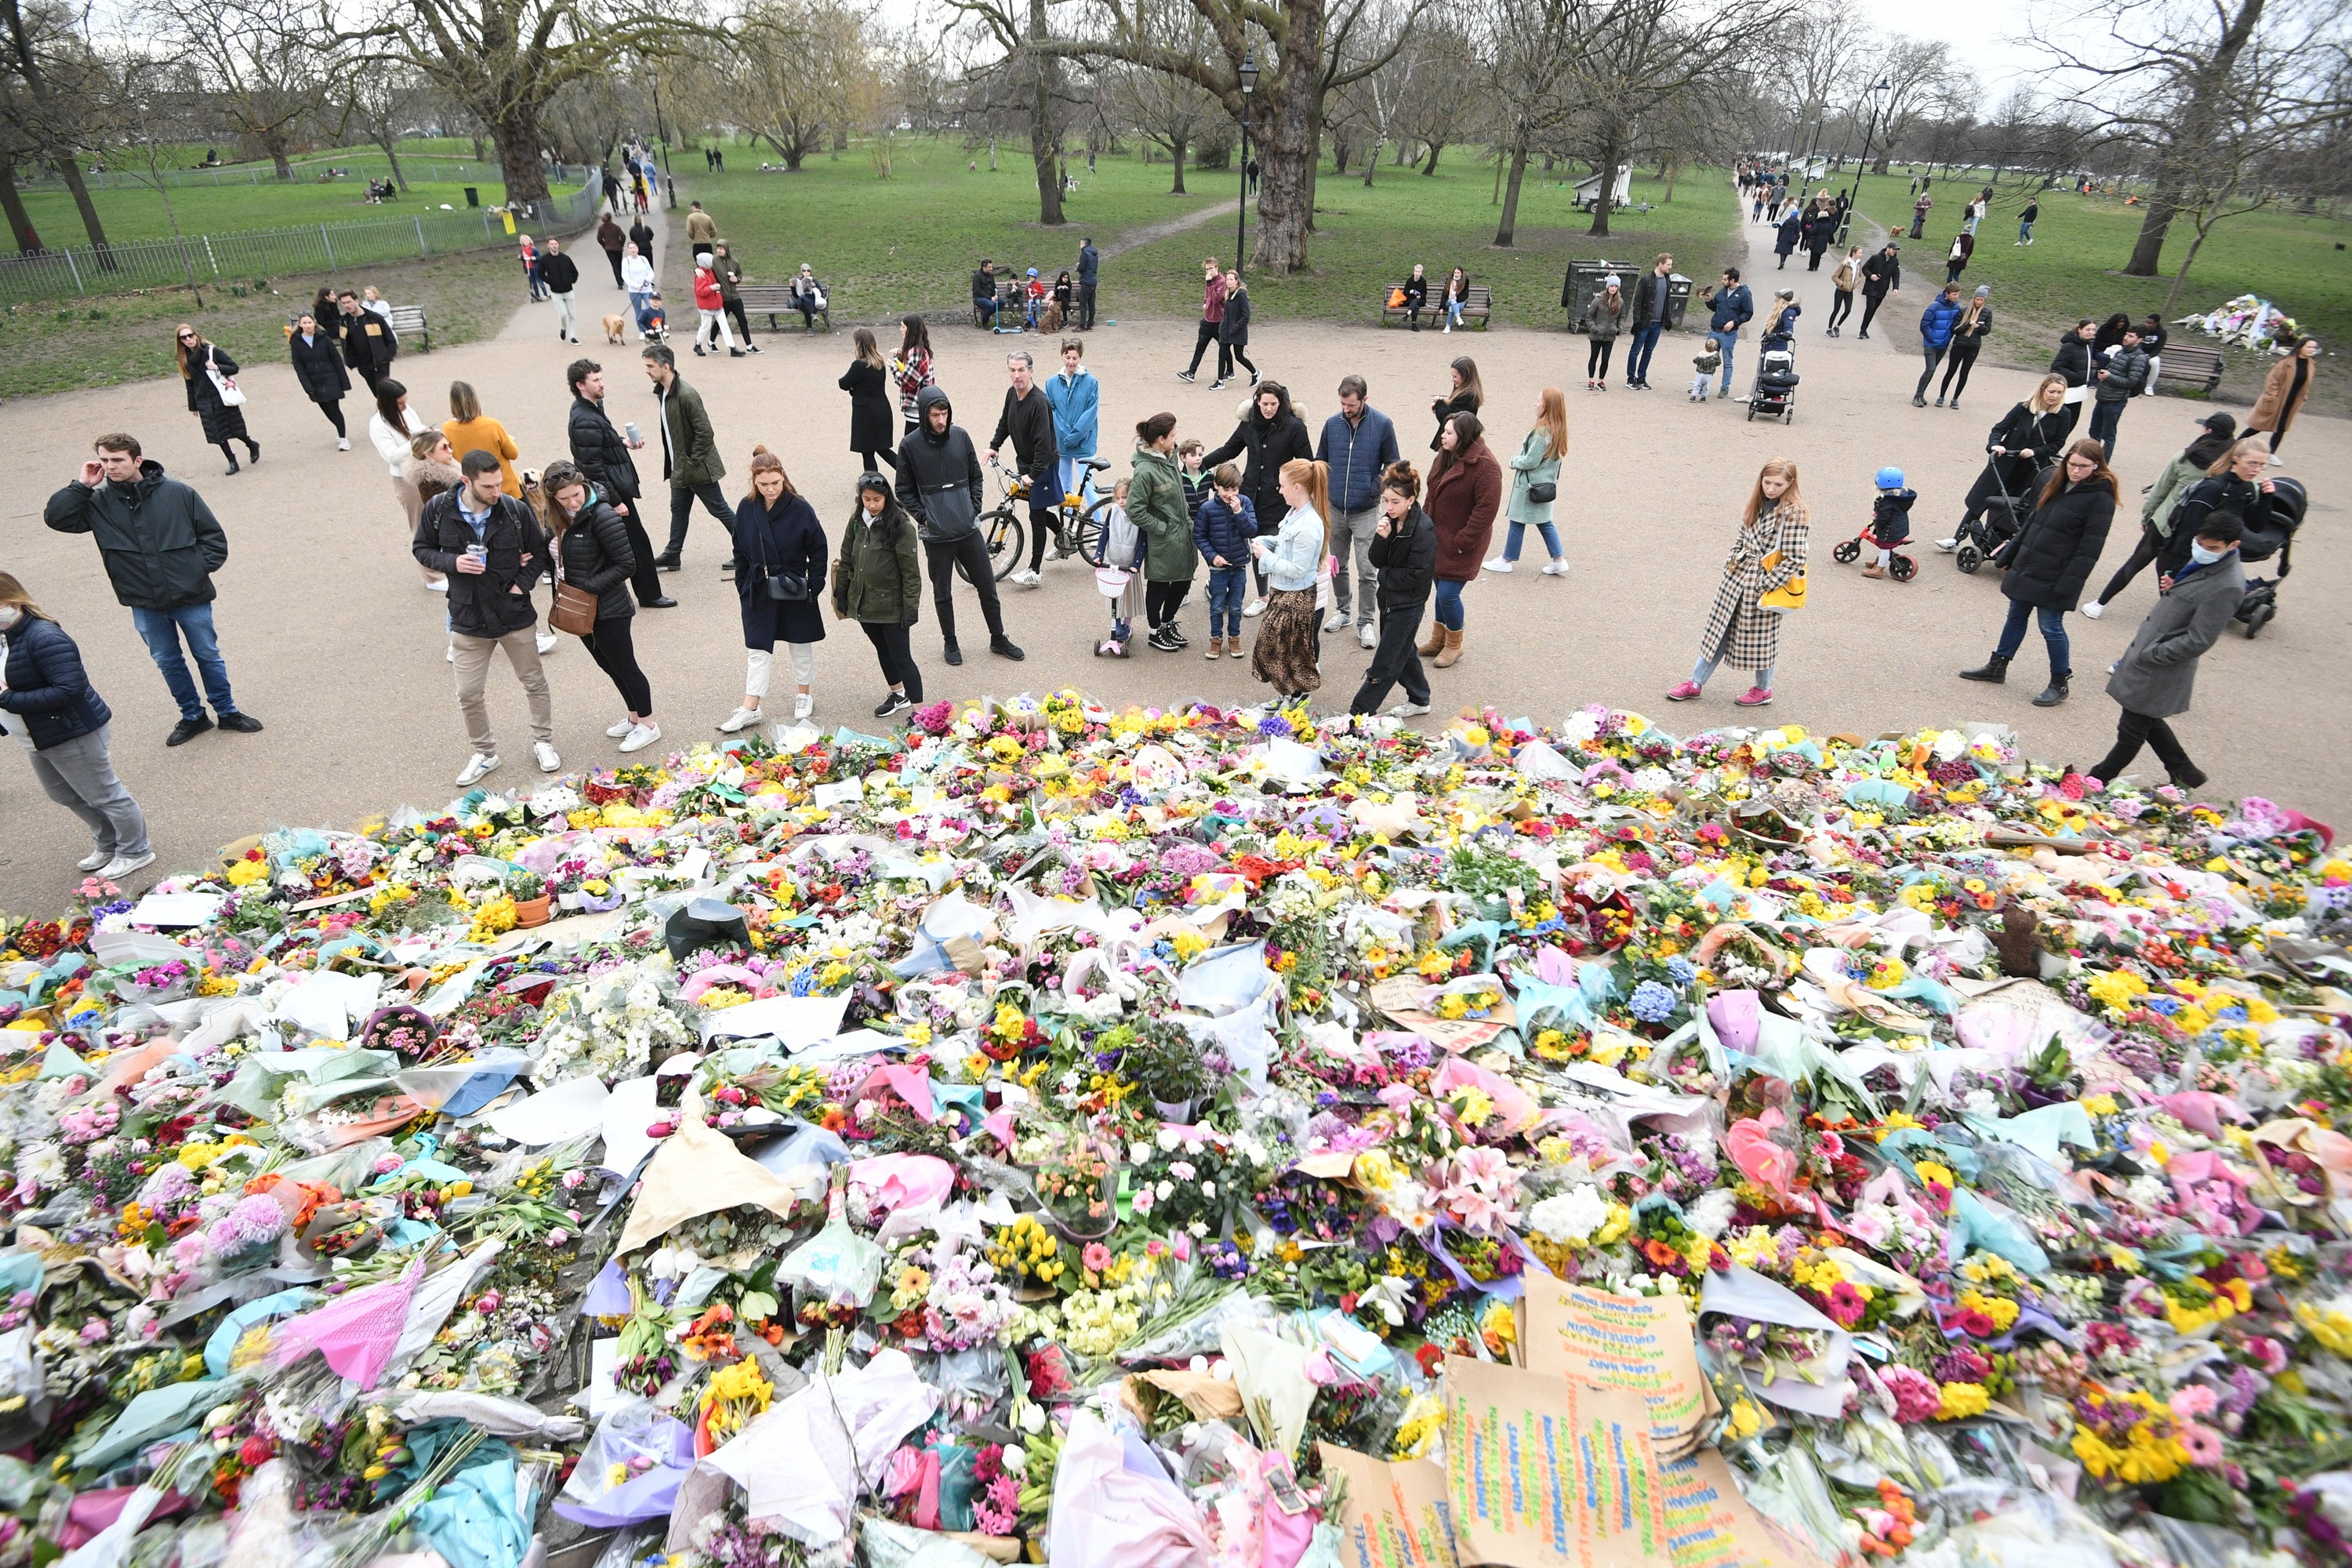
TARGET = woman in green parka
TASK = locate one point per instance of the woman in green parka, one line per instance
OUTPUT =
(879, 582)
(1156, 503)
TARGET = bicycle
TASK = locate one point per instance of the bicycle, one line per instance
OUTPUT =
(1077, 525)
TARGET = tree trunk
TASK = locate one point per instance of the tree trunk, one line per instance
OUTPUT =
(1672, 171)
(1879, 165)
(1044, 146)
(1338, 154)
(70, 173)
(1405, 144)
(2182, 275)
(1176, 147)
(1508, 229)
(1292, 136)
(20, 222)
(1372, 162)
(477, 146)
(1612, 151)
(516, 131)
(277, 159)
(391, 146)
(1431, 167)
(2148, 251)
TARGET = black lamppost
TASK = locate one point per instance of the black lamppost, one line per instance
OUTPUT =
(1248, 74)
(661, 131)
(1878, 95)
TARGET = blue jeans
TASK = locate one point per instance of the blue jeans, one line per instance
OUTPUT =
(161, 631)
(1728, 343)
(2105, 417)
(2053, 637)
(1227, 587)
(1449, 604)
(2025, 231)
(1519, 531)
(643, 304)
(1637, 358)
(1073, 475)
(1452, 312)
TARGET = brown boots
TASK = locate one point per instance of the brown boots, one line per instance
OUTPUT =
(1453, 651)
(1433, 641)
(1217, 648)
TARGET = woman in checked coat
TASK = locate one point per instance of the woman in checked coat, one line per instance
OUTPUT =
(1767, 554)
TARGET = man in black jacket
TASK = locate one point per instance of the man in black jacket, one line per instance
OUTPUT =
(1089, 272)
(641, 235)
(939, 484)
(160, 545)
(560, 274)
(1028, 419)
(1881, 274)
(603, 454)
(1653, 297)
(369, 345)
(983, 291)
(493, 552)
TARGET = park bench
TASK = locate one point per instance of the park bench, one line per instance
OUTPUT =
(1478, 306)
(1011, 301)
(408, 325)
(2189, 364)
(774, 300)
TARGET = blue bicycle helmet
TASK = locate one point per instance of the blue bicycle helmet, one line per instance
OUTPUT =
(1889, 478)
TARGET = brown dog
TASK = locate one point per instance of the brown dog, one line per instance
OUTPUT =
(1049, 320)
(614, 328)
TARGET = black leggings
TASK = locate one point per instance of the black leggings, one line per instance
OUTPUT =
(610, 645)
(735, 308)
(890, 646)
(2134, 731)
(1841, 305)
(1870, 309)
(973, 550)
(2151, 545)
(334, 413)
(878, 459)
(1229, 354)
(1963, 360)
(1596, 366)
(1162, 601)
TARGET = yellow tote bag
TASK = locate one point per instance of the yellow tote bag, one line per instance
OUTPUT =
(1788, 596)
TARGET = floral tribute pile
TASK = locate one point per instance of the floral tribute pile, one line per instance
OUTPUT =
(1053, 1133)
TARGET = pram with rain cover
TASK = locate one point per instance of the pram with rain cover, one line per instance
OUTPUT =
(2288, 501)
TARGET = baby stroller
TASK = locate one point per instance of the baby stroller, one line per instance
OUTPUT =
(2288, 500)
(1775, 393)
(2003, 518)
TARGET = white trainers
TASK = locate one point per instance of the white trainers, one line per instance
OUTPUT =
(544, 755)
(1335, 623)
(741, 719)
(478, 765)
(1556, 568)
(547, 642)
(2094, 610)
(343, 444)
(1948, 545)
(1408, 710)
(1026, 578)
(1255, 608)
(1499, 565)
(95, 859)
(1365, 636)
(625, 726)
(450, 653)
(804, 704)
(121, 866)
(639, 738)
(436, 585)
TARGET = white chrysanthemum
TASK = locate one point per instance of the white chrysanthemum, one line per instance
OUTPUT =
(1712, 1213)
(1570, 1217)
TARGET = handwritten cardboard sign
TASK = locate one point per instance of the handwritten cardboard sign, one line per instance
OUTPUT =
(1642, 1343)
(1545, 1473)
(1395, 1513)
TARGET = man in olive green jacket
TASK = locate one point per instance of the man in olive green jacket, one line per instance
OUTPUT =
(689, 456)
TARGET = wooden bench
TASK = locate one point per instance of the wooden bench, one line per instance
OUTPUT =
(1478, 306)
(1013, 303)
(2189, 364)
(409, 325)
(774, 300)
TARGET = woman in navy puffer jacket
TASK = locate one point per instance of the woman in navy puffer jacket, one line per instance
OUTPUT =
(48, 702)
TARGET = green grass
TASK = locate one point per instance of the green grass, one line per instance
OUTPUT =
(57, 347)
(1367, 240)
(911, 242)
(137, 214)
(2080, 244)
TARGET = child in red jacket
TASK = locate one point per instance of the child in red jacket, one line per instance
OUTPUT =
(710, 308)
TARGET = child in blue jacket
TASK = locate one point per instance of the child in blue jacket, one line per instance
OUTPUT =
(1224, 528)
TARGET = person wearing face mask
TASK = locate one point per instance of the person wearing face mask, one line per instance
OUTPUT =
(2154, 679)
(48, 702)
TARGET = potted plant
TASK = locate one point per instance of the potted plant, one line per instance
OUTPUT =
(531, 900)
(1165, 1063)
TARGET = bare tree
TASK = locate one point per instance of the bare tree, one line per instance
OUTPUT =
(2185, 81)
(1433, 112)
(504, 60)
(1171, 112)
(258, 62)
(56, 76)
(798, 74)
(380, 103)
(1918, 73)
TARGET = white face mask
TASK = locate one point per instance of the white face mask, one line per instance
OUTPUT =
(2204, 557)
(10, 615)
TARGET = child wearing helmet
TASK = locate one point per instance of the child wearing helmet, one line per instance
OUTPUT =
(1890, 518)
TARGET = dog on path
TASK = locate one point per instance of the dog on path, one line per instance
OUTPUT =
(615, 328)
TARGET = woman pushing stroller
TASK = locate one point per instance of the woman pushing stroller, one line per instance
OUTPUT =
(2023, 441)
